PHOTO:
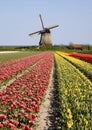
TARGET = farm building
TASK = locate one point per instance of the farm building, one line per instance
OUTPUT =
(77, 46)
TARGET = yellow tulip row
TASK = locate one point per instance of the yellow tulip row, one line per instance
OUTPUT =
(75, 96)
(84, 66)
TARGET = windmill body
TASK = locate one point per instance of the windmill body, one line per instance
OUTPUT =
(45, 38)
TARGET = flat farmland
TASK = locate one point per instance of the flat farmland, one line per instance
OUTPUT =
(45, 91)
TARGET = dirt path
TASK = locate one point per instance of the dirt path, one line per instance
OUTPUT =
(48, 113)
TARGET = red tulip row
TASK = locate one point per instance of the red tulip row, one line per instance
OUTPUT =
(21, 99)
(18, 65)
(85, 57)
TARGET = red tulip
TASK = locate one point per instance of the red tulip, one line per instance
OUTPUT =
(34, 116)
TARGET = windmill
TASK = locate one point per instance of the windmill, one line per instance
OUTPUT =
(45, 38)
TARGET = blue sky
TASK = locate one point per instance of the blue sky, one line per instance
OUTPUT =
(18, 18)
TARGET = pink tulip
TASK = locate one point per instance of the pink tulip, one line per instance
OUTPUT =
(27, 128)
(12, 126)
(1, 125)
(14, 122)
(2, 116)
(5, 123)
(31, 122)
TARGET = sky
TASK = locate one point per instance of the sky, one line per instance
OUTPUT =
(18, 18)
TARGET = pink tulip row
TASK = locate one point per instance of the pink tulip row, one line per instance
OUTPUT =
(9, 62)
(14, 61)
(7, 71)
(21, 99)
(85, 57)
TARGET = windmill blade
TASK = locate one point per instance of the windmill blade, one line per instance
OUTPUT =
(54, 26)
(34, 33)
(41, 21)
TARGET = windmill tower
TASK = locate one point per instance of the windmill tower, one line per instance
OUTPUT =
(45, 39)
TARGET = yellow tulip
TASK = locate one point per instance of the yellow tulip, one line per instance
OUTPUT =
(70, 123)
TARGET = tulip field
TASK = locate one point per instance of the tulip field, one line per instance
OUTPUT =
(20, 100)
(85, 57)
(75, 94)
(85, 67)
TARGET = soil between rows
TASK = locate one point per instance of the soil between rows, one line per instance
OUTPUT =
(48, 114)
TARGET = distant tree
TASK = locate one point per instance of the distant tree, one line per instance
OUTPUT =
(71, 45)
(88, 47)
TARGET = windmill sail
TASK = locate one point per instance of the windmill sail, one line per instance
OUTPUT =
(54, 26)
(34, 33)
(41, 21)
